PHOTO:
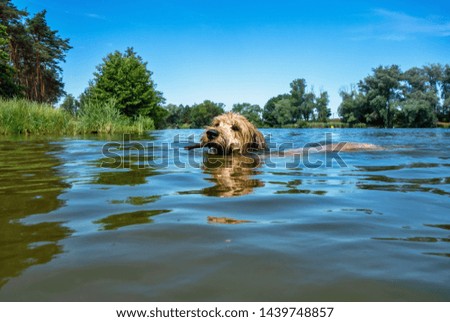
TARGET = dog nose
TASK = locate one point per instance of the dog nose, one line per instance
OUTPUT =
(212, 134)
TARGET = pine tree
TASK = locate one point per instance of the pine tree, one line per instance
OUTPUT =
(43, 75)
(35, 52)
(8, 87)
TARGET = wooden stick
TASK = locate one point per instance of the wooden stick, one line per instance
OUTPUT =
(195, 146)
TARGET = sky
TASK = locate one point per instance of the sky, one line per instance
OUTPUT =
(249, 51)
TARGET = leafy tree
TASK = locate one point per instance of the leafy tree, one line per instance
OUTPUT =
(173, 115)
(251, 111)
(269, 115)
(415, 80)
(307, 106)
(421, 104)
(444, 113)
(433, 73)
(185, 116)
(202, 114)
(159, 115)
(381, 90)
(284, 112)
(125, 78)
(298, 100)
(70, 104)
(354, 108)
(321, 106)
(416, 113)
(178, 116)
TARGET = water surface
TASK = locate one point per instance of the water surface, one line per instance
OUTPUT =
(169, 224)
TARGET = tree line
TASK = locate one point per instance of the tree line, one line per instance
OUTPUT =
(293, 109)
(418, 97)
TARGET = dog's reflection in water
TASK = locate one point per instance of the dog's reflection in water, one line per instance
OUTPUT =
(232, 175)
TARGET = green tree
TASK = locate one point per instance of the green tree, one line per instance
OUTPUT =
(427, 80)
(420, 103)
(354, 107)
(321, 107)
(434, 75)
(415, 80)
(307, 106)
(284, 112)
(174, 113)
(269, 115)
(70, 104)
(185, 116)
(178, 116)
(444, 113)
(416, 113)
(10, 22)
(306, 103)
(298, 100)
(8, 87)
(382, 90)
(202, 114)
(125, 78)
(42, 80)
(35, 52)
(251, 111)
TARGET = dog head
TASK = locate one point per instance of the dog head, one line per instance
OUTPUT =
(232, 133)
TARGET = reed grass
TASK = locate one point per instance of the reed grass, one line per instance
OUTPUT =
(18, 116)
(333, 125)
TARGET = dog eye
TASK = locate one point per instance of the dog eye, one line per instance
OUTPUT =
(216, 124)
(235, 128)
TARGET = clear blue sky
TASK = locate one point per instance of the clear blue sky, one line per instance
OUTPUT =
(249, 51)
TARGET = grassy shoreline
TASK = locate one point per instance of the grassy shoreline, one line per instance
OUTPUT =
(443, 125)
(22, 117)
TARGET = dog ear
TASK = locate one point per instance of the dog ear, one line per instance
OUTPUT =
(259, 141)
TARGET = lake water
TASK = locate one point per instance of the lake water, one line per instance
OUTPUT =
(170, 224)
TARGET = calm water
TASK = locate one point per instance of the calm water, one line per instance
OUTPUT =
(172, 225)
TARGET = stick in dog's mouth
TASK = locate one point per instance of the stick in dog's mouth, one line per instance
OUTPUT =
(213, 148)
(194, 146)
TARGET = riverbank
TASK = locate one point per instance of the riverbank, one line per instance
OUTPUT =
(22, 117)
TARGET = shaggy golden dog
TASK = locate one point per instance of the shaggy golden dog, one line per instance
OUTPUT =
(232, 133)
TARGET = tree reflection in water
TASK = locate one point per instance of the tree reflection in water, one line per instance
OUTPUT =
(30, 184)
